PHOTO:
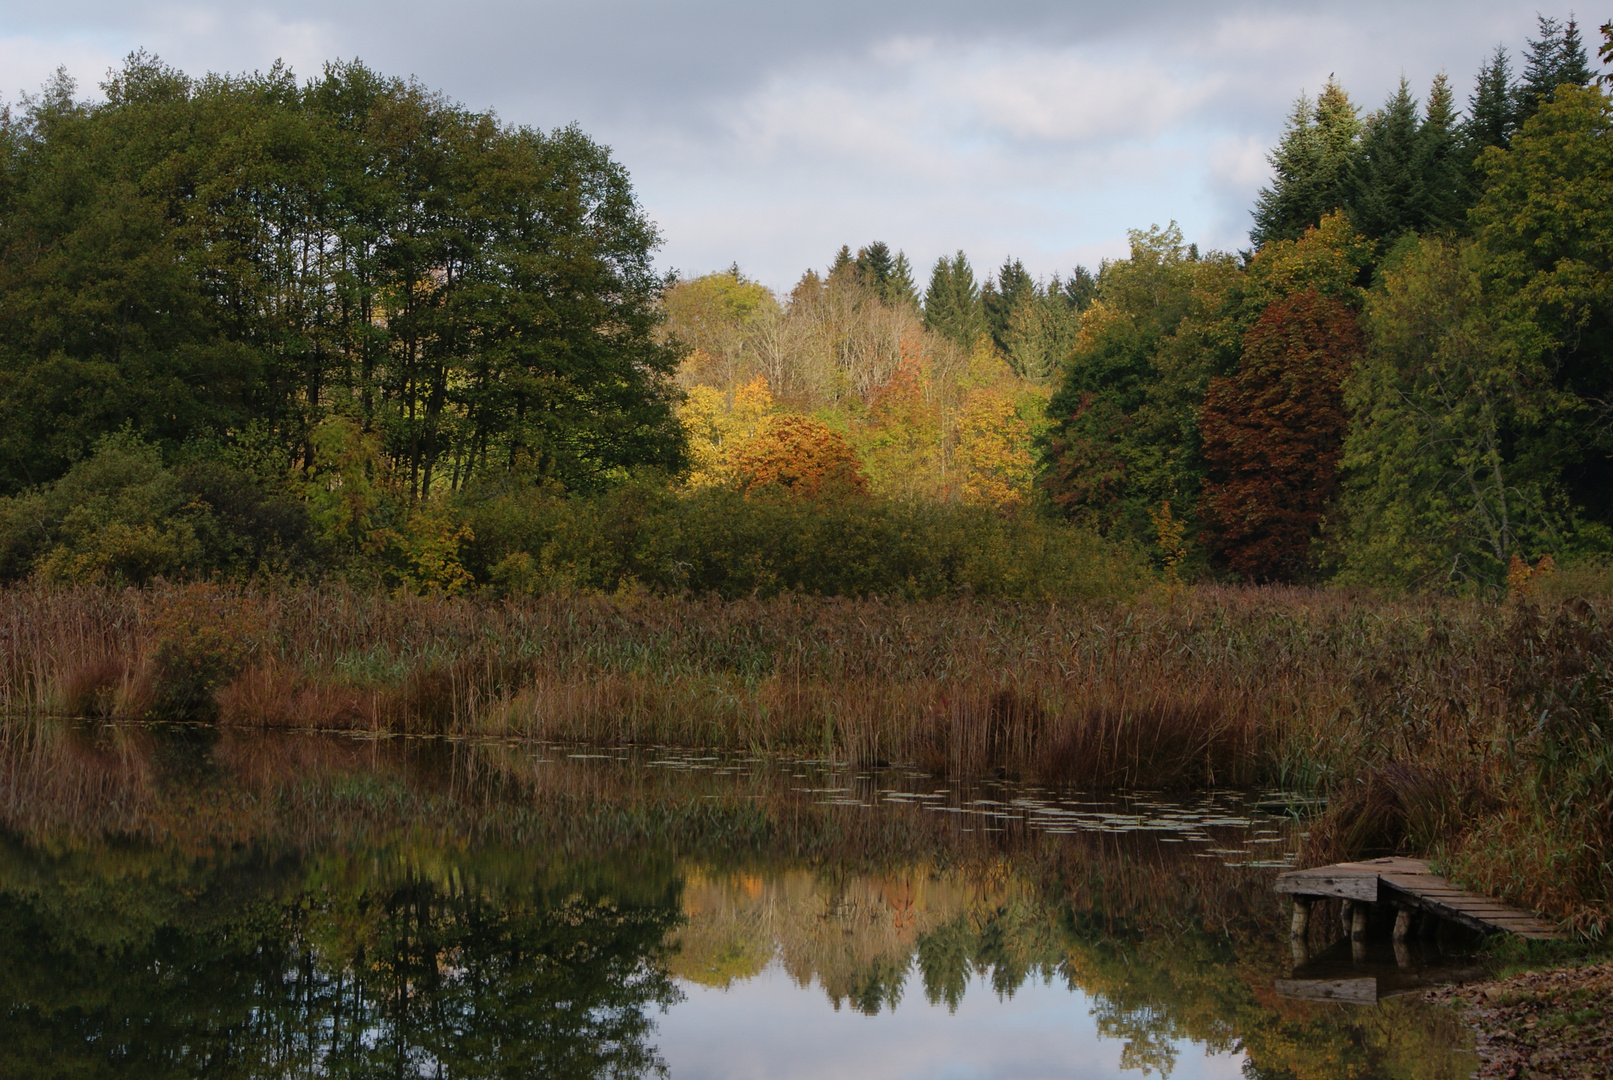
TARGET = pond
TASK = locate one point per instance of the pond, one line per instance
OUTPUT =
(184, 901)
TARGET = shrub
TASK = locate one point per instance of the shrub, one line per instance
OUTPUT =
(720, 541)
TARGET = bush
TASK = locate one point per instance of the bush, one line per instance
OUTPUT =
(121, 516)
(723, 542)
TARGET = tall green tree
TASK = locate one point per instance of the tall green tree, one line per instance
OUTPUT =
(189, 257)
(1447, 475)
(1000, 297)
(1311, 162)
(1407, 174)
(1492, 109)
(1546, 225)
(1381, 183)
(952, 301)
(1556, 58)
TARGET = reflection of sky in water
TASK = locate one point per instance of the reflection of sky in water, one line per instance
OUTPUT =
(770, 1027)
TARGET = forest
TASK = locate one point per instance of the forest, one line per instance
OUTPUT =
(263, 329)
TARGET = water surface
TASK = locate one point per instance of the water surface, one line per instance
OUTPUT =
(182, 902)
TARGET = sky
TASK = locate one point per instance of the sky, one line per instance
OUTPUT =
(769, 135)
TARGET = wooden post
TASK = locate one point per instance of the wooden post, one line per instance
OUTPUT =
(1403, 924)
(1301, 925)
(1358, 922)
(1344, 914)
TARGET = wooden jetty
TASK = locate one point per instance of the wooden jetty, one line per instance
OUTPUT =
(1411, 889)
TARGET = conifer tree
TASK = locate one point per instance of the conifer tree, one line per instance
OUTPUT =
(1556, 58)
(1000, 298)
(952, 302)
(875, 266)
(1382, 179)
(1492, 112)
(900, 289)
(842, 260)
(1081, 288)
(1440, 195)
(1311, 163)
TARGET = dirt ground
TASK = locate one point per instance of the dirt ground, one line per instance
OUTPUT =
(1540, 1024)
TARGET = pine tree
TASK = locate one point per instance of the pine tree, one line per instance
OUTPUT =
(900, 290)
(1556, 58)
(1382, 179)
(1311, 162)
(1492, 113)
(842, 260)
(1081, 289)
(875, 266)
(952, 302)
(1000, 297)
(1440, 195)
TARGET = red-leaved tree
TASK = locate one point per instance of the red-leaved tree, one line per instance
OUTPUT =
(1273, 434)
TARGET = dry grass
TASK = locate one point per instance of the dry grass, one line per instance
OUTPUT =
(1473, 732)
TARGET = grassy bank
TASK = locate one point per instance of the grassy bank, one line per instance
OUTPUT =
(1473, 732)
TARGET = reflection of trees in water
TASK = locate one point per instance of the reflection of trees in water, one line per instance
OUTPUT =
(863, 938)
(323, 969)
(441, 948)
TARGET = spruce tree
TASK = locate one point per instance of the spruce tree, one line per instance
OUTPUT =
(1000, 297)
(1492, 110)
(901, 289)
(1382, 181)
(952, 302)
(1440, 194)
(1556, 58)
(842, 260)
(1311, 162)
(875, 266)
(1081, 289)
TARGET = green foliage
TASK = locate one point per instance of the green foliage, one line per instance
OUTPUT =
(1444, 484)
(1124, 418)
(191, 256)
(1312, 162)
(1546, 225)
(1406, 175)
(717, 540)
(1557, 58)
(122, 516)
(952, 306)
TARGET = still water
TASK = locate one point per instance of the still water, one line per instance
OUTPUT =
(182, 902)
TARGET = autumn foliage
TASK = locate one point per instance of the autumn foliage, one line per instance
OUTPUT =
(1273, 434)
(800, 455)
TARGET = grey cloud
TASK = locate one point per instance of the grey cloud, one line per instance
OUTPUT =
(771, 134)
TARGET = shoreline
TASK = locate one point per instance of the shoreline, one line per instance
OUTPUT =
(1547, 1022)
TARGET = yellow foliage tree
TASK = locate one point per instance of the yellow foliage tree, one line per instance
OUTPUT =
(993, 455)
(718, 423)
(901, 443)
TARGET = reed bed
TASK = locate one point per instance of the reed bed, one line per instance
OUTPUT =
(1474, 732)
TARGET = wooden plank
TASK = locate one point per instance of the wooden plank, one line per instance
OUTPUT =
(1409, 883)
(1315, 883)
(1358, 991)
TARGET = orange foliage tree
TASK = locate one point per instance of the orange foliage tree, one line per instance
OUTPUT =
(801, 455)
(1273, 434)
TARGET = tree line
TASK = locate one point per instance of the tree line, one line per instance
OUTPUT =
(347, 325)
(1406, 381)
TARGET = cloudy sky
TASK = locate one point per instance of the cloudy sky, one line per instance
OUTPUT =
(771, 134)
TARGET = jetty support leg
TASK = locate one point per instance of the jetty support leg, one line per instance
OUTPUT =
(1301, 925)
(1299, 930)
(1345, 907)
(1358, 932)
(1403, 924)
